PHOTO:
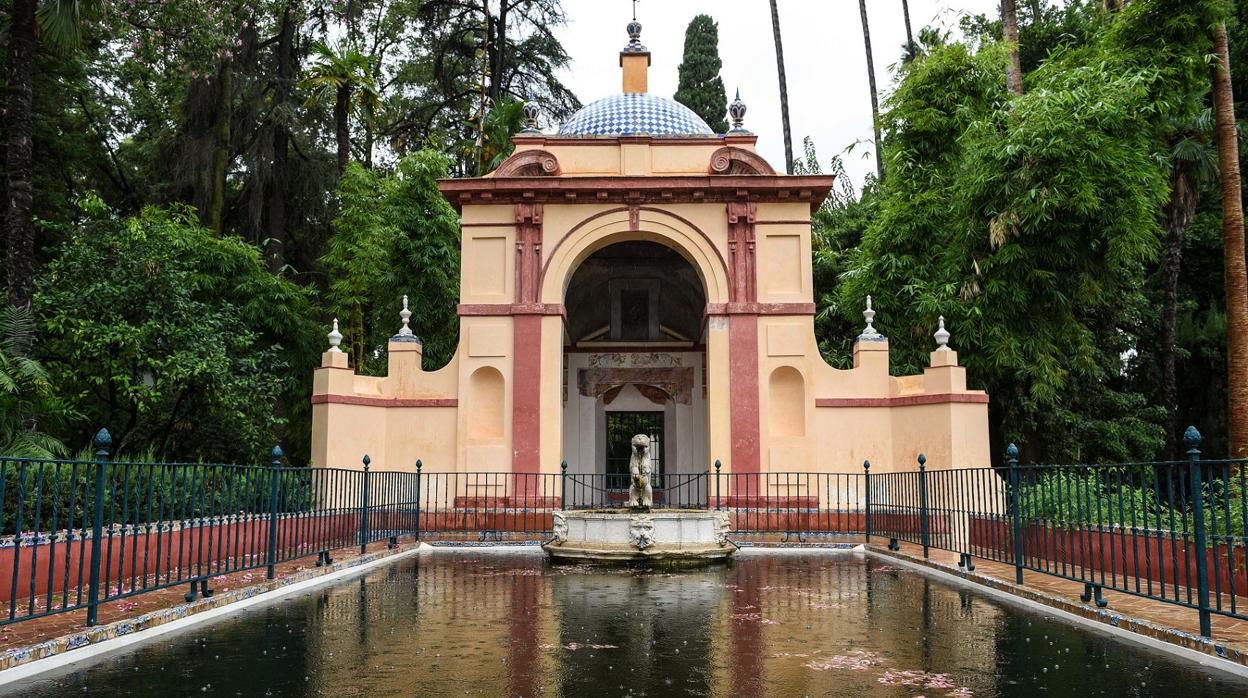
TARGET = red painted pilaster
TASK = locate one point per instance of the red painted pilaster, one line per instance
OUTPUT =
(743, 384)
(527, 344)
(743, 339)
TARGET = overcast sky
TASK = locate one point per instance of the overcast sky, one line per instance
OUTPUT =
(825, 63)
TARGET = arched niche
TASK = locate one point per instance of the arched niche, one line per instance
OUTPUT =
(486, 400)
(786, 391)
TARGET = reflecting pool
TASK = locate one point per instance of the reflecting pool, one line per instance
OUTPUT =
(487, 623)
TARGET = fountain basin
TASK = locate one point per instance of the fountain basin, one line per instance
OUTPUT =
(624, 535)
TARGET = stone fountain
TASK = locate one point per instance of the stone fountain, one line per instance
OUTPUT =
(640, 533)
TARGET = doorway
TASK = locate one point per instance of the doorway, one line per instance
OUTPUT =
(621, 428)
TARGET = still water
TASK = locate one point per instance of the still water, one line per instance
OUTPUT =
(485, 623)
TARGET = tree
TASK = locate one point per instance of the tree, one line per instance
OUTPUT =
(1233, 247)
(700, 87)
(59, 22)
(911, 49)
(1009, 30)
(461, 50)
(875, 99)
(395, 235)
(784, 89)
(178, 340)
(344, 73)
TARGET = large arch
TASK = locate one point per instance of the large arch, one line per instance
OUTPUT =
(617, 225)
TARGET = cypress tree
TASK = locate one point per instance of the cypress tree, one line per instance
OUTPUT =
(700, 87)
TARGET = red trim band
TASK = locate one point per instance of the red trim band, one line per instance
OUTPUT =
(511, 309)
(760, 308)
(903, 400)
(385, 401)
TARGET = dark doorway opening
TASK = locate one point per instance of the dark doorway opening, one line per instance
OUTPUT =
(621, 428)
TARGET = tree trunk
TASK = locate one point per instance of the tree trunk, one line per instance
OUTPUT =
(1009, 28)
(342, 127)
(275, 246)
(911, 49)
(875, 98)
(18, 220)
(1233, 249)
(1179, 212)
(784, 89)
(498, 52)
(221, 153)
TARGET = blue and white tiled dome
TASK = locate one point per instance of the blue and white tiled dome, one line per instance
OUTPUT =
(635, 114)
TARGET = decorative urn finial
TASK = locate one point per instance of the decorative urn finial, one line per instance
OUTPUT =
(335, 338)
(531, 114)
(942, 335)
(737, 111)
(406, 316)
(869, 332)
(634, 38)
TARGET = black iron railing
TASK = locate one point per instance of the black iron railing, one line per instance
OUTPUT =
(77, 534)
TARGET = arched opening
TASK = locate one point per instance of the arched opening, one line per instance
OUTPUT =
(634, 352)
(786, 402)
(486, 397)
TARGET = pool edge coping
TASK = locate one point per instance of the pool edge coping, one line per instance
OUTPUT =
(93, 644)
(1188, 646)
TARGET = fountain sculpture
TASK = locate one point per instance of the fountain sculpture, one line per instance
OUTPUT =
(640, 533)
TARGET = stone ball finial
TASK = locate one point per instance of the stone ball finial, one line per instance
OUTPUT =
(869, 332)
(737, 111)
(335, 338)
(532, 112)
(942, 335)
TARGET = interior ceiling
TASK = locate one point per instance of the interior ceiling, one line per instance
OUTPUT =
(681, 301)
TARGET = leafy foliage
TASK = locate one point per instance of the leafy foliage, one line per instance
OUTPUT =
(175, 339)
(1031, 223)
(29, 407)
(395, 235)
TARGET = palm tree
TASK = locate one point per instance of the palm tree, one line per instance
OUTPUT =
(59, 22)
(27, 403)
(1192, 160)
(910, 50)
(784, 89)
(1009, 28)
(346, 74)
(1233, 248)
(875, 97)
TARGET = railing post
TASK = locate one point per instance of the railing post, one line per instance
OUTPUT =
(718, 465)
(275, 484)
(1192, 438)
(103, 441)
(364, 505)
(925, 530)
(1016, 514)
(563, 485)
(419, 465)
(866, 472)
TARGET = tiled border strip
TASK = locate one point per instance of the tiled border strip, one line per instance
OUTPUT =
(91, 644)
(1175, 642)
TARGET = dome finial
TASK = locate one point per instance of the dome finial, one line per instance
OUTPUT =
(634, 34)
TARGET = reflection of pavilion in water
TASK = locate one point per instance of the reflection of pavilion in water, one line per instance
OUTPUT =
(497, 624)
